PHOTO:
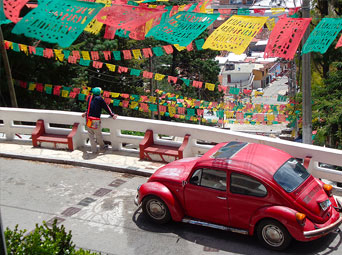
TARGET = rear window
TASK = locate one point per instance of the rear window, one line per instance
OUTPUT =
(229, 150)
(291, 175)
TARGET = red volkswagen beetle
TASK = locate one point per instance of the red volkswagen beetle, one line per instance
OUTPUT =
(245, 188)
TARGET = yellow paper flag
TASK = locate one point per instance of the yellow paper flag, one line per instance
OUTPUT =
(159, 76)
(115, 95)
(111, 67)
(235, 34)
(277, 10)
(210, 86)
(65, 93)
(59, 54)
(95, 26)
(179, 48)
(85, 55)
(137, 54)
(23, 48)
(32, 86)
(270, 23)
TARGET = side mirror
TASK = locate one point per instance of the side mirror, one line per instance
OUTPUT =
(194, 180)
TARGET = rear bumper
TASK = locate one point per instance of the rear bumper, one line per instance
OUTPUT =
(325, 230)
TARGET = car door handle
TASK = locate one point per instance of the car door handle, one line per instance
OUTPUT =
(223, 198)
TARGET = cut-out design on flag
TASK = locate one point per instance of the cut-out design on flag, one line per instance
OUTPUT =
(285, 37)
(183, 27)
(323, 35)
(235, 34)
(95, 26)
(3, 19)
(127, 17)
(12, 9)
(57, 21)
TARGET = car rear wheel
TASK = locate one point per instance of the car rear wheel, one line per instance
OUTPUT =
(273, 235)
(156, 210)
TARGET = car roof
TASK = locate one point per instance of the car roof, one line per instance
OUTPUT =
(259, 159)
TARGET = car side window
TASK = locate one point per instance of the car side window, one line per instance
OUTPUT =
(246, 185)
(210, 178)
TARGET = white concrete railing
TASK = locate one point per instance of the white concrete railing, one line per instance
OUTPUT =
(11, 120)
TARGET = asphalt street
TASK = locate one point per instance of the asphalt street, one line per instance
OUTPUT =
(97, 206)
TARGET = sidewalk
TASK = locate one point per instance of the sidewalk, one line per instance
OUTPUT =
(118, 161)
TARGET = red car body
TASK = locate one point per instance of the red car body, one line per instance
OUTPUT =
(245, 188)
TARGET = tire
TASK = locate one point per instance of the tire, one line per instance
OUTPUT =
(156, 210)
(273, 235)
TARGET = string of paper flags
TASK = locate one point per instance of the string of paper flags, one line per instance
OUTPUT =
(174, 106)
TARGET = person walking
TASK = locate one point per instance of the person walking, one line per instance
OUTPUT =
(95, 104)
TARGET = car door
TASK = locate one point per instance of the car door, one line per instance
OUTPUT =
(206, 196)
(246, 195)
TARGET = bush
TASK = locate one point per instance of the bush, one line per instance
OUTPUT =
(42, 240)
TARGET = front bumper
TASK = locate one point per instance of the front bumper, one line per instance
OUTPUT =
(324, 230)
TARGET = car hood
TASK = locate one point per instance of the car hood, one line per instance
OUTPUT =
(309, 195)
(176, 171)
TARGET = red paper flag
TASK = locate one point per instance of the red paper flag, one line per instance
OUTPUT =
(144, 107)
(107, 100)
(260, 11)
(107, 55)
(168, 49)
(138, 33)
(109, 32)
(39, 87)
(127, 17)
(72, 60)
(23, 84)
(339, 43)
(76, 90)
(125, 103)
(32, 50)
(95, 55)
(124, 95)
(224, 11)
(147, 52)
(97, 64)
(76, 54)
(57, 90)
(122, 69)
(127, 54)
(200, 112)
(197, 84)
(143, 98)
(293, 10)
(72, 94)
(285, 37)
(190, 47)
(181, 110)
(12, 9)
(106, 93)
(48, 53)
(172, 79)
(147, 75)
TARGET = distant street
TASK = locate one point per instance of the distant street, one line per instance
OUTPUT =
(98, 207)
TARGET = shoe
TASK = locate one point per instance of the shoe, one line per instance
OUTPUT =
(104, 148)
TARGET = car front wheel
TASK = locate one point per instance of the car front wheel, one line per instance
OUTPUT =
(156, 210)
(273, 235)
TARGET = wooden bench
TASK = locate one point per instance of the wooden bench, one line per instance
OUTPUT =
(147, 146)
(39, 135)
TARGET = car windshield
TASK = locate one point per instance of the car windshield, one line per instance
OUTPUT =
(291, 175)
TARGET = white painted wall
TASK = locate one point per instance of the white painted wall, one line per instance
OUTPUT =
(197, 132)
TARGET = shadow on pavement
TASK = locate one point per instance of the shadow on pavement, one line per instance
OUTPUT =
(218, 240)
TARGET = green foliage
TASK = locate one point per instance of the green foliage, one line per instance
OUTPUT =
(42, 240)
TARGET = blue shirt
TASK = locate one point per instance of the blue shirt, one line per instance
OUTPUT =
(96, 106)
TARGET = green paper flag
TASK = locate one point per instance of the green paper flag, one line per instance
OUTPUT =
(48, 90)
(117, 55)
(220, 113)
(183, 27)
(135, 72)
(84, 62)
(122, 33)
(234, 91)
(57, 21)
(16, 47)
(243, 11)
(323, 35)
(190, 112)
(186, 81)
(81, 97)
(158, 51)
(199, 43)
(66, 53)
(116, 102)
(40, 51)
(153, 107)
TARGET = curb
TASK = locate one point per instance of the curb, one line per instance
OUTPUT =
(100, 166)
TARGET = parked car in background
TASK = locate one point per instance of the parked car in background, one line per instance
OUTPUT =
(251, 189)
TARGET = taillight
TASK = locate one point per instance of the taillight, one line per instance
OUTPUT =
(301, 218)
(328, 189)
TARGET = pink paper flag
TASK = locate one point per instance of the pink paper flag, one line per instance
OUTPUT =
(260, 11)
(122, 69)
(72, 94)
(106, 93)
(181, 110)
(95, 55)
(32, 50)
(125, 103)
(12, 9)
(97, 64)
(48, 53)
(190, 47)
(107, 100)
(72, 60)
(127, 54)
(168, 49)
(107, 55)
(147, 52)
(76, 54)
(197, 84)
(109, 32)
(339, 43)
(172, 79)
(147, 75)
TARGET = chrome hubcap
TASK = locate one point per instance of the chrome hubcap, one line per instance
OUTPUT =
(156, 209)
(273, 235)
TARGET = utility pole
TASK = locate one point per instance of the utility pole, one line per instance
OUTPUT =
(306, 82)
(8, 71)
